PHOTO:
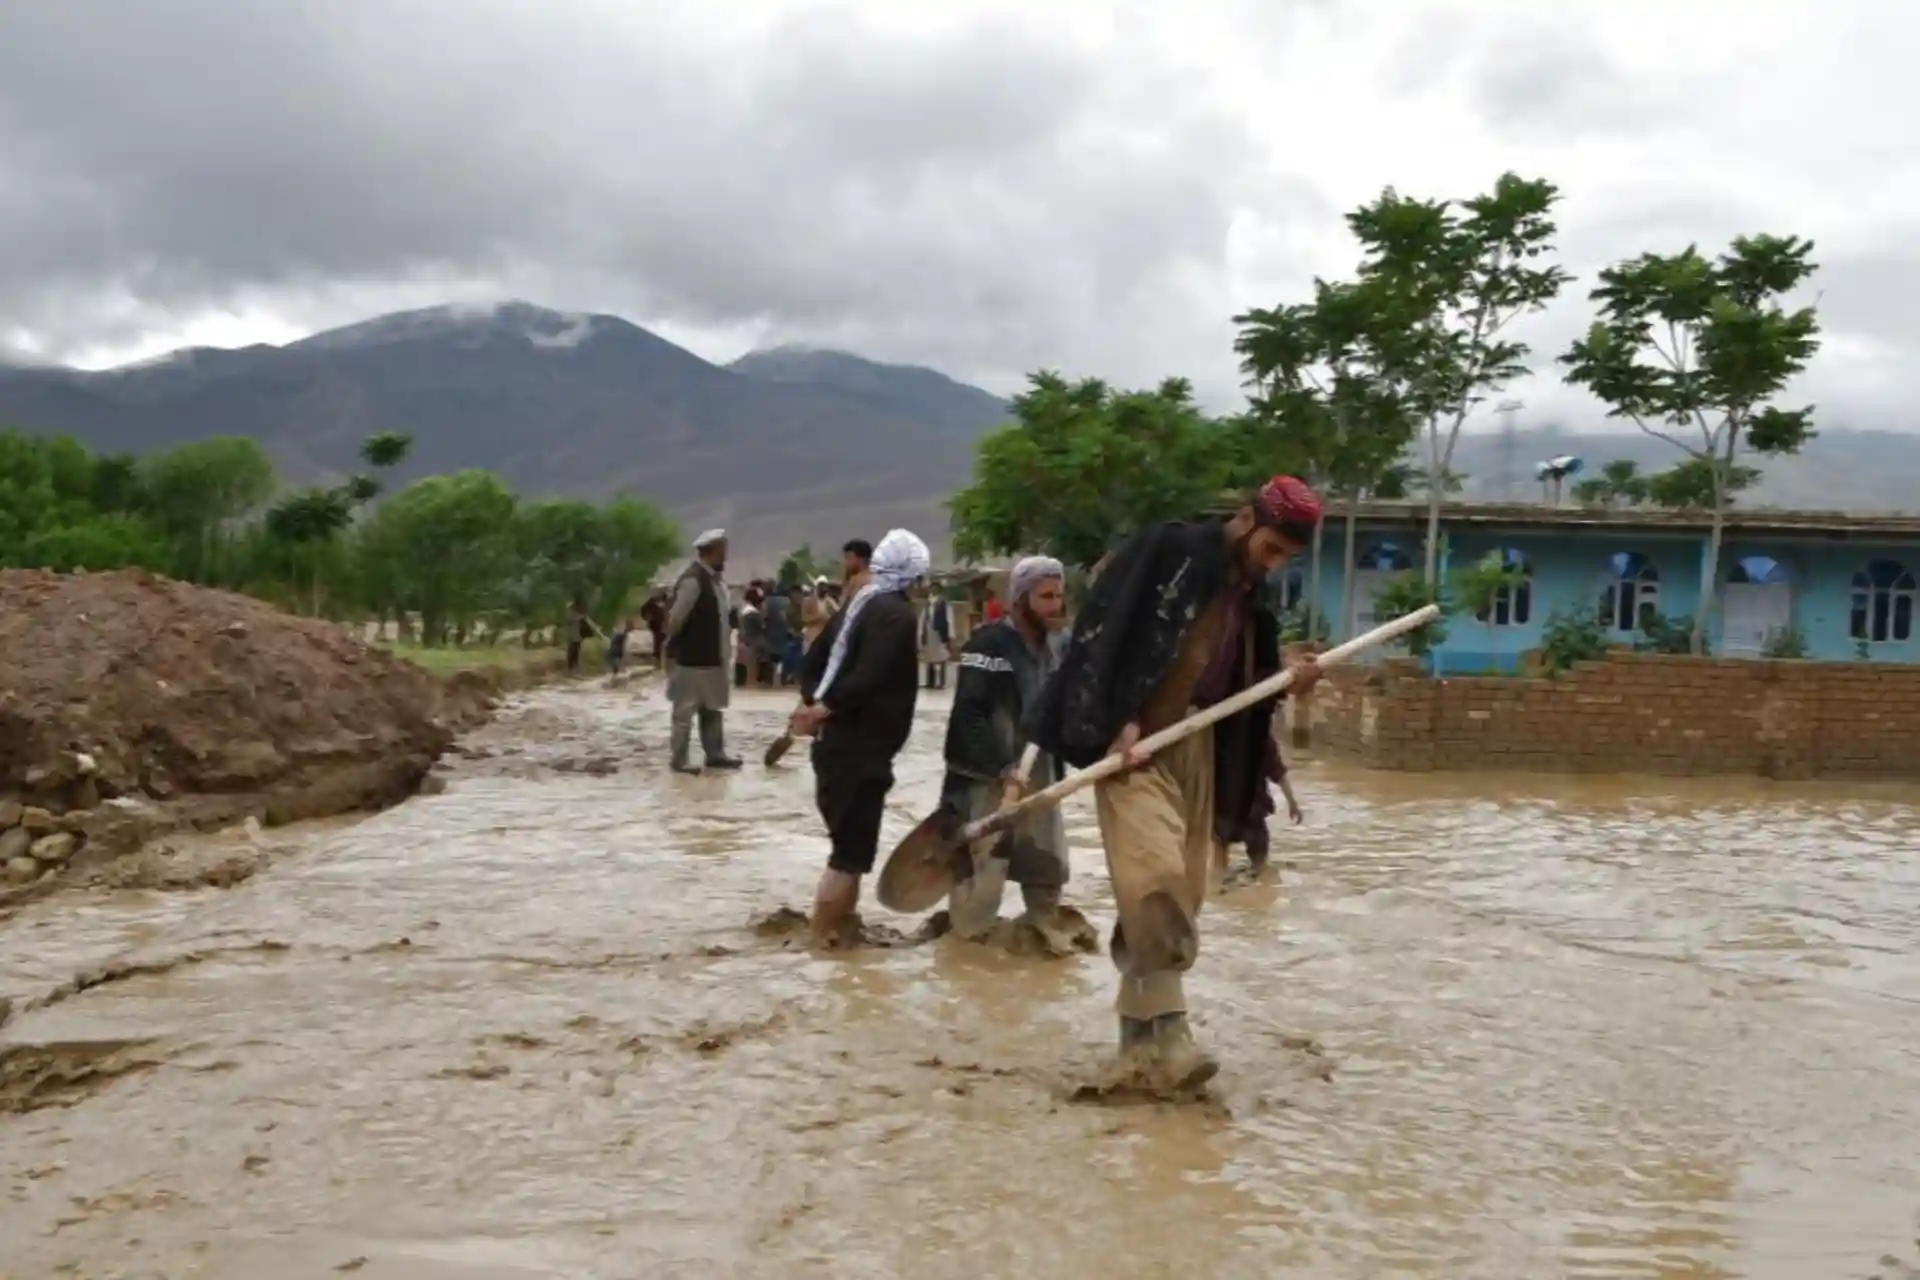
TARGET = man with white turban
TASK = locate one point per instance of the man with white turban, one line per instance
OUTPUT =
(857, 699)
(1003, 666)
(697, 642)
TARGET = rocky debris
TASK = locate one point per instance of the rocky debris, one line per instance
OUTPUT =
(132, 705)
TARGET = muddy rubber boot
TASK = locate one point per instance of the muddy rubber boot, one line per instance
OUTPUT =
(1182, 1063)
(1136, 1036)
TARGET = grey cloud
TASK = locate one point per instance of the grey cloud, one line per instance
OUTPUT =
(993, 196)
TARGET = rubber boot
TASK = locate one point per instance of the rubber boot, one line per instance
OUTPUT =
(1182, 1063)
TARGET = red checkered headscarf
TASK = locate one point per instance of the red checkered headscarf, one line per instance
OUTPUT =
(1288, 504)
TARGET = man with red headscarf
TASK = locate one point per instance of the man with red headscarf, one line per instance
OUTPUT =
(1175, 623)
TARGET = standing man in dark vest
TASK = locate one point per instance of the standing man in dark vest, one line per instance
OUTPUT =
(698, 643)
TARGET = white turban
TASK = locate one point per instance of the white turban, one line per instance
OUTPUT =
(898, 562)
(1030, 573)
(708, 538)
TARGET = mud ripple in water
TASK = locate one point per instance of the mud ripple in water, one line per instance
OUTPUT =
(528, 1027)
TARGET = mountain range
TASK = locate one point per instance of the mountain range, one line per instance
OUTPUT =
(784, 446)
(787, 445)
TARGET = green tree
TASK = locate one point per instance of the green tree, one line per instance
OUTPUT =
(1321, 388)
(1619, 484)
(799, 566)
(445, 549)
(1695, 351)
(1081, 466)
(1689, 485)
(1457, 275)
(634, 539)
(108, 541)
(196, 492)
(385, 450)
(303, 523)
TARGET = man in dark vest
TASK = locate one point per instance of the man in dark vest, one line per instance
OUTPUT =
(699, 645)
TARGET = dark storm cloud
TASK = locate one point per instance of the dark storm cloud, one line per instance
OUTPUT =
(991, 185)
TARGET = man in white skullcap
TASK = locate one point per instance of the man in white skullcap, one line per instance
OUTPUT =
(1003, 666)
(857, 698)
(697, 641)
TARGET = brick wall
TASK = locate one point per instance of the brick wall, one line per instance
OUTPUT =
(1632, 713)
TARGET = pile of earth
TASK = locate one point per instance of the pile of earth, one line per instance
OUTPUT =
(132, 705)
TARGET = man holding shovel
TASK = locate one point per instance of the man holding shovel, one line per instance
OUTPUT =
(1003, 666)
(1174, 624)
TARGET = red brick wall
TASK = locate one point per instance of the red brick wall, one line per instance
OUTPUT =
(1632, 713)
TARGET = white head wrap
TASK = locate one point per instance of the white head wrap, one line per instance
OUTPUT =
(1030, 573)
(708, 538)
(898, 562)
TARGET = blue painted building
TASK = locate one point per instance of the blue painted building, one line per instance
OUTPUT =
(1844, 585)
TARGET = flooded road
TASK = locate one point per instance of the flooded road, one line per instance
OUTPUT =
(524, 1029)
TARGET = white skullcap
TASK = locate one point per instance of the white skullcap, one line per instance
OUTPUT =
(708, 538)
(1032, 571)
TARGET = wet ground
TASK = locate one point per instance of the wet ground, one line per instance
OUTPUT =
(524, 1028)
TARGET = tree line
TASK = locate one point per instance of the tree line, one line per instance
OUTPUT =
(447, 558)
(1363, 385)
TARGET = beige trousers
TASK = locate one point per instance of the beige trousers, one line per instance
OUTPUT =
(1157, 826)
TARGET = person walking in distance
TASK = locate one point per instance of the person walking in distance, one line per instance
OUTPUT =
(580, 625)
(1003, 667)
(697, 641)
(858, 695)
(1174, 624)
(654, 614)
(936, 640)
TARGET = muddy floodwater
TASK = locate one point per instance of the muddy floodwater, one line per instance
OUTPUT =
(1480, 1027)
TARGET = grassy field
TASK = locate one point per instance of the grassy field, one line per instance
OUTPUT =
(447, 661)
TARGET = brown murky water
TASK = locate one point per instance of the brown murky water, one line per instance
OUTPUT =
(522, 1029)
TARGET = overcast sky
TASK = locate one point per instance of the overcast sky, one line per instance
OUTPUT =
(1090, 186)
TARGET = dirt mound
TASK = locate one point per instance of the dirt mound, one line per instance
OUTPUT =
(129, 703)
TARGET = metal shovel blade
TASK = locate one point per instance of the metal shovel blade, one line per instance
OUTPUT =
(923, 868)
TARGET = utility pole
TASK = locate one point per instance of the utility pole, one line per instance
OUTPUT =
(1506, 481)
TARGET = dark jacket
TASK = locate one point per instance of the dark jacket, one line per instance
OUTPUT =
(1125, 639)
(873, 697)
(1000, 678)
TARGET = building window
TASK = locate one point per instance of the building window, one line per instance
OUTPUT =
(1883, 603)
(1384, 557)
(1632, 593)
(1757, 571)
(1512, 605)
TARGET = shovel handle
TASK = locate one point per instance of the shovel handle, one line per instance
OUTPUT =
(1271, 687)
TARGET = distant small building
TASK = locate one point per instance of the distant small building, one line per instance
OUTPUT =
(1843, 586)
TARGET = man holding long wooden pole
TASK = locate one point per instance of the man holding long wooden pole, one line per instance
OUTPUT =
(1173, 625)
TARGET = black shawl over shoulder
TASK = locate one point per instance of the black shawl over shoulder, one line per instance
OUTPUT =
(1125, 639)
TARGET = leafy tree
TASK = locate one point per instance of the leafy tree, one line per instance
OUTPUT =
(385, 450)
(195, 493)
(1321, 388)
(447, 547)
(1695, 351)
(302, 523)
(1619, 484)
(109, 541)
(1688, 485)
(799, 566)
(1081, 466)
(1457, 275)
